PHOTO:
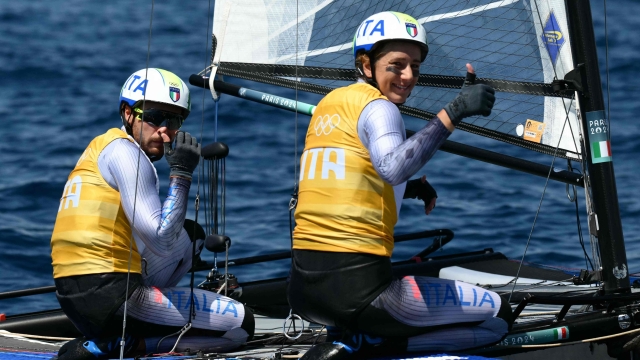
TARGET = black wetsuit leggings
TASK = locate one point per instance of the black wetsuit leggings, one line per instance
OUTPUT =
(358, 292)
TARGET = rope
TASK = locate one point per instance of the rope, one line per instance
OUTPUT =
(606, 54)
(544, 190)
(180, 332)
(192, 309)
(542, 313)
(135, 196)
(29, 336)
(574, 199)
(293, 203)
(226, 243)
(567, 112)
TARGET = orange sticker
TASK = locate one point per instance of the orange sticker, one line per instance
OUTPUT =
(533, 130)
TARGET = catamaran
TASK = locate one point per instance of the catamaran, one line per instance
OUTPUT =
(539, 56)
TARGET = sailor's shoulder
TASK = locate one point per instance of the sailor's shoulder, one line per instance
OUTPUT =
(354, 93)
(110, 135)
(116, 133)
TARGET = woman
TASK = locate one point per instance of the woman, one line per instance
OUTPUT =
(354, 172)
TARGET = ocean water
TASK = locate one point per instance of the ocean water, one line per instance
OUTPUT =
(62, 64)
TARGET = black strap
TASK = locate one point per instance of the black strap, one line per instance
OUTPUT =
(442, 81)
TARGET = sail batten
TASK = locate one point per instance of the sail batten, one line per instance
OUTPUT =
(454, 82)
(519, 47)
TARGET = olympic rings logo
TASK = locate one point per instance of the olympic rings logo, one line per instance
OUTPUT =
(324, 124)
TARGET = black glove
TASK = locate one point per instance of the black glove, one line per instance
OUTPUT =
(421, 190)
(184, 158)
(473, 100)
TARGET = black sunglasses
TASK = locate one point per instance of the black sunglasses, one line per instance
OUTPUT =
(160, 118)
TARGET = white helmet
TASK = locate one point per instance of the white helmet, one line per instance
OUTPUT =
(389, 25)
(160, 86)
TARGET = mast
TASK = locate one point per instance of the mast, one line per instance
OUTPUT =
(600, 168)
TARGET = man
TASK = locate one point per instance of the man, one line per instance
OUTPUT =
(112, 232)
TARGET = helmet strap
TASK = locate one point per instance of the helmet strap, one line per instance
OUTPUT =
(129, 131)
(360, 72)
(372, 81)
(125, 123)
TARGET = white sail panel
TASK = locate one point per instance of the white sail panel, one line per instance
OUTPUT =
(507, 41)
(264, 32)
(562, 127)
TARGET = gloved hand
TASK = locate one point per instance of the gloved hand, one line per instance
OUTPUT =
(472, 100)
(184, 158)
(421, 189)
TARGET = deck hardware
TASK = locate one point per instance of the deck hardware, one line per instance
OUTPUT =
(293, 317)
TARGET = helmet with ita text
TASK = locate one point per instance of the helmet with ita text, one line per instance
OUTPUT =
(155, 85)
(389, 26)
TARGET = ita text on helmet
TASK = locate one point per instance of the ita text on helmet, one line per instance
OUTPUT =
(389, 26)
(156, 85)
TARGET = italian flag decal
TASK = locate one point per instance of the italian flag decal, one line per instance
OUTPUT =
(561, 333)
(601, 149)
(599, 137)
(412, 29)
(174, 93)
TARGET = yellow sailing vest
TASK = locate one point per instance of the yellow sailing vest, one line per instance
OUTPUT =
(92, 233)
(343, 204)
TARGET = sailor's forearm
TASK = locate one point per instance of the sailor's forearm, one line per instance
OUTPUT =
(163, 227)
(175, 206)
(446, 121)
(407, 159)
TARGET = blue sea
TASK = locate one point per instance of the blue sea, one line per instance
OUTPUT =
(62, 64)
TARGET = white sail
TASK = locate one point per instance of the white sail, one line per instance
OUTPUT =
(509, 42)
(561, 126)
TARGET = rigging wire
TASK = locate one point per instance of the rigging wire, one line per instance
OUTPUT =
(555, 77)
(295, 140)
(567, 120)
(588, 202)
(577, 146)
(135, 193)
(293, 203)
(574, 199)
(192, 309)
(213, 200)
(294, 196)
(213, 166)
(215, 121)
(217, 167)
(538, 211)
(606, 53)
